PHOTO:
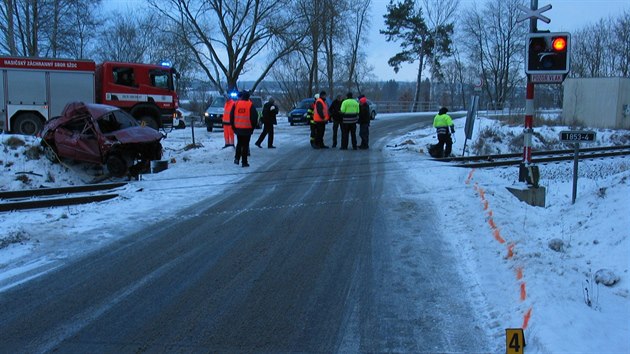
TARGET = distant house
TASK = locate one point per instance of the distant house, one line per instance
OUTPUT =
(597, 102)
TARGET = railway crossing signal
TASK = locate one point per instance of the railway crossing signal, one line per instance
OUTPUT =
(547, 56)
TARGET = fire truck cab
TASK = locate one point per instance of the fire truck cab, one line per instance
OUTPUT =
(146, 91)
(33, 90)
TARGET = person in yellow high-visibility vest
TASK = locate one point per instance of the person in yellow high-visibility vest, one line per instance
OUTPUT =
(443, 124)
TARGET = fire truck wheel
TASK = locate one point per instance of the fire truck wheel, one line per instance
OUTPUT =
(27, 124)
(149, 122)
(117, 166)
(209, 127)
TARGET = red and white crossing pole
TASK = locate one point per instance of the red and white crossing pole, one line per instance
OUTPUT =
(529, 123)
(526, 171)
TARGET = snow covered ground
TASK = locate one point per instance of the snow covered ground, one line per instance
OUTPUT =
(542, 269)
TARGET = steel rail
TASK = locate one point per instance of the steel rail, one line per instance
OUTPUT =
(534, 153)
(543, 160)
(28, 193)
(47, 203)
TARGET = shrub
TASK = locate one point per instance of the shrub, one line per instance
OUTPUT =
(14, 142)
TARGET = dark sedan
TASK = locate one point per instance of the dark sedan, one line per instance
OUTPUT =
(101, 134)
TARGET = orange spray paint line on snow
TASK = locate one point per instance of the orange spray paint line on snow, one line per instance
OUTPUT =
(492, 224)
(510, 251)
(528, 314)
(523, 292)
(470, 174)
(519, 273)
(497, 236)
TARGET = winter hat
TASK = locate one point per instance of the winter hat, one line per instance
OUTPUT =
(317, 96)
(363, 100)
(443, 110)
(349, 95)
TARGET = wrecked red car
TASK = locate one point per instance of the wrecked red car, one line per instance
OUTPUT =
(103, 135)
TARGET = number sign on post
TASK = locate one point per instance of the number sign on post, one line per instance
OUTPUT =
(576, 137)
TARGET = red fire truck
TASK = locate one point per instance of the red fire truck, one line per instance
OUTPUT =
(32, 90)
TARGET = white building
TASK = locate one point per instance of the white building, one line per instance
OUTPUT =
(597, 102)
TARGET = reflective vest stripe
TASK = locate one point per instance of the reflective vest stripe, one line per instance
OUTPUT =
(242, 113)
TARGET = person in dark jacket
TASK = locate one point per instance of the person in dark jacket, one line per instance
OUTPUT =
(309, 116)
(243, 119)
(335, 116)
(269, 113)
(364, 122)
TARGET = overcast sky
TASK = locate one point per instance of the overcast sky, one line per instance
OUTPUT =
(565, 15)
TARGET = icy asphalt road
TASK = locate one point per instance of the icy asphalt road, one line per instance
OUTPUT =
(322, 251)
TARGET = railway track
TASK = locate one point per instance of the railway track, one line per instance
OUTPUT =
(60, 196)
(539, 157)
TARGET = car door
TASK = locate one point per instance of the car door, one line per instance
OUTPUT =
(78, 140)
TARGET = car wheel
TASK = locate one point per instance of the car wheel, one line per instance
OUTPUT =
(181, 125)
(209, 128)
(373, 115)
(27, 124)
(292, 124)
(149, 122)
(50, 151)
(117, 166)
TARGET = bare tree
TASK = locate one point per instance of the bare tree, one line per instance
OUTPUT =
(622, 43)
(46, 27)
(26, 23)
(360, 24)
(127, 37)
(495, 41)
(227, 37)
(591, 52)
(602, 49)
(85, 25)
(334, 27)
(67, 27)
(7, 27)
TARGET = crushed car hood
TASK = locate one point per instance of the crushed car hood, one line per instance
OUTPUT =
(137, 135)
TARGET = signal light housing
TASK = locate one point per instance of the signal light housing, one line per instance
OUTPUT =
(548, 53)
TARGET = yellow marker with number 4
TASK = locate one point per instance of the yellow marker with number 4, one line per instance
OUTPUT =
(514, 341)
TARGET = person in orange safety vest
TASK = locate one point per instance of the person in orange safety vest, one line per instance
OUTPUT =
(243, 118)
(320, 117)
(228, 132)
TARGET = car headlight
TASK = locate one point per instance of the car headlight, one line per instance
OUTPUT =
(206, 114)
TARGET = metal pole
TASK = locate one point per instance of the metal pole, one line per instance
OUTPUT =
(529, 112)
(192, 126)
(529, 123)
(575, 171)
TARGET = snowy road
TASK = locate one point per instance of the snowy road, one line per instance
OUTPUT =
(321, 251)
